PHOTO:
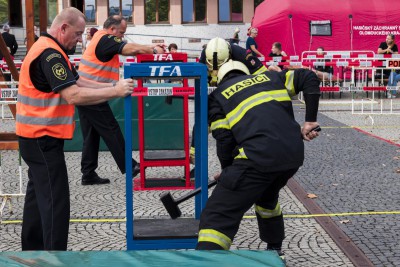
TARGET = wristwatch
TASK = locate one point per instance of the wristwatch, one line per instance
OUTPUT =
(155, 51)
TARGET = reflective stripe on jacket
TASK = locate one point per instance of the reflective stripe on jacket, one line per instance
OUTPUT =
(40, 113)
(257, 111)
(91, 68)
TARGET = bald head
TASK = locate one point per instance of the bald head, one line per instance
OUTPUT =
(68, 26)
(70, 15)
(115, 25)
(114, 20)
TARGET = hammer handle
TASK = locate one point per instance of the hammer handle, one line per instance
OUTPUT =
(194, 192)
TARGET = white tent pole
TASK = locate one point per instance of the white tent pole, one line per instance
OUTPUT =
(291, 29)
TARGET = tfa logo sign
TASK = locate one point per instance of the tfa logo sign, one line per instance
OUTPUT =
(393, 63)
(163, 57)
(165, 71)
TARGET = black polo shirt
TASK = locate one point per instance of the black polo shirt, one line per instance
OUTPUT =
(109, 46)
(49, 72)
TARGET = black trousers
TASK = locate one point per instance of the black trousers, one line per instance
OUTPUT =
(98, 120)
(47, 206)
(238, 188)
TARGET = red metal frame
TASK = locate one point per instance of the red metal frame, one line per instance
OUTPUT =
(184, 91)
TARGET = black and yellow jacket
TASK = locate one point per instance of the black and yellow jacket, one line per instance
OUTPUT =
(251, 117)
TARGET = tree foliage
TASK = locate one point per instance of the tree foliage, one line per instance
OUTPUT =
(3, 11)
(152, 6)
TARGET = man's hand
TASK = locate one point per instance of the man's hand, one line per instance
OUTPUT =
(124, 87)
(160, 48)
(307, 133)
(216, 176)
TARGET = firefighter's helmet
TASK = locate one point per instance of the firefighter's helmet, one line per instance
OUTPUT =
(229, 66)
(217, 53)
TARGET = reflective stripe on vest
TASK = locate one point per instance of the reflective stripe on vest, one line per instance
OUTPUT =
(220, 124)
(49, 102)
(241, 154)
(289, 83)
(213, 236)
(260, 70)
(266, 213)
(91, 68)
(44, 121)
(40, 113)
(263, 97)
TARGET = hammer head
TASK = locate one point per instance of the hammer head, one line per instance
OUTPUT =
(170, 205)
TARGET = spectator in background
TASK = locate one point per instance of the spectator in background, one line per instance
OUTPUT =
(276, 51)
(251, 42)
(394, 78)
(35, 31)
(89, 35)
(173, 48)
(323, 72)
(10, 41)
(388, 47)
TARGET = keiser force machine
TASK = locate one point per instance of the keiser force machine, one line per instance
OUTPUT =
(166, 233)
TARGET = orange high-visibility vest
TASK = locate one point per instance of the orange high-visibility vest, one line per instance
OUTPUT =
(40, 113)
(91, 68)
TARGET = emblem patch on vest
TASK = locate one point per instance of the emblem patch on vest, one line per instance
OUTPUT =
(117, 39)
(59, 71)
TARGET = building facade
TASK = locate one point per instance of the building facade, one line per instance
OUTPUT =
(188, 23)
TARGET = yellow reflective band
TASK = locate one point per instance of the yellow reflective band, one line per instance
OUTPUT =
(237, 87)
(241, 155)
(220, 124)
(213, 236)
(260, 70)
(266, 213)
(289, 83)
(235, 115)
(192, 151)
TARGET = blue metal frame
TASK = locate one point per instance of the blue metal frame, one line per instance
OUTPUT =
(167, 69)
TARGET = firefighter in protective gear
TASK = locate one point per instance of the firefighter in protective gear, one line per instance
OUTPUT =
(217, 52)
(260, 147)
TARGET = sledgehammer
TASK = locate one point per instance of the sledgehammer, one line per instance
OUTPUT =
(171, 205)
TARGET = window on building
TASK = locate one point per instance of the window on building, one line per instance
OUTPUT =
(157, 11)
(88, 7)
(90, 11)
(123, 7)
(321, 28)
(230, 10)
(11, 14)
(257, 2)
(193, 11)
(52, 10)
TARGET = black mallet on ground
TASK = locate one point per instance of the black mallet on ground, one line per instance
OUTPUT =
(171, 205)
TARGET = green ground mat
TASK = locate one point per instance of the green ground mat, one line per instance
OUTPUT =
(144, 258)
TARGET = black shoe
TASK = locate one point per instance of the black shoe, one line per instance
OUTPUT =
(95, 180)
(136, 170)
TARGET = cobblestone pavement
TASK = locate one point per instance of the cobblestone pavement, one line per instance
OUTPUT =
(350, 172)
(347, 170)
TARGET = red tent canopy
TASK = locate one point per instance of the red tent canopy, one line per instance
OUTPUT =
(355, 24)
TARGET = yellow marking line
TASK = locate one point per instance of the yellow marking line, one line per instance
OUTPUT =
(335, 214)
(245, 217)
